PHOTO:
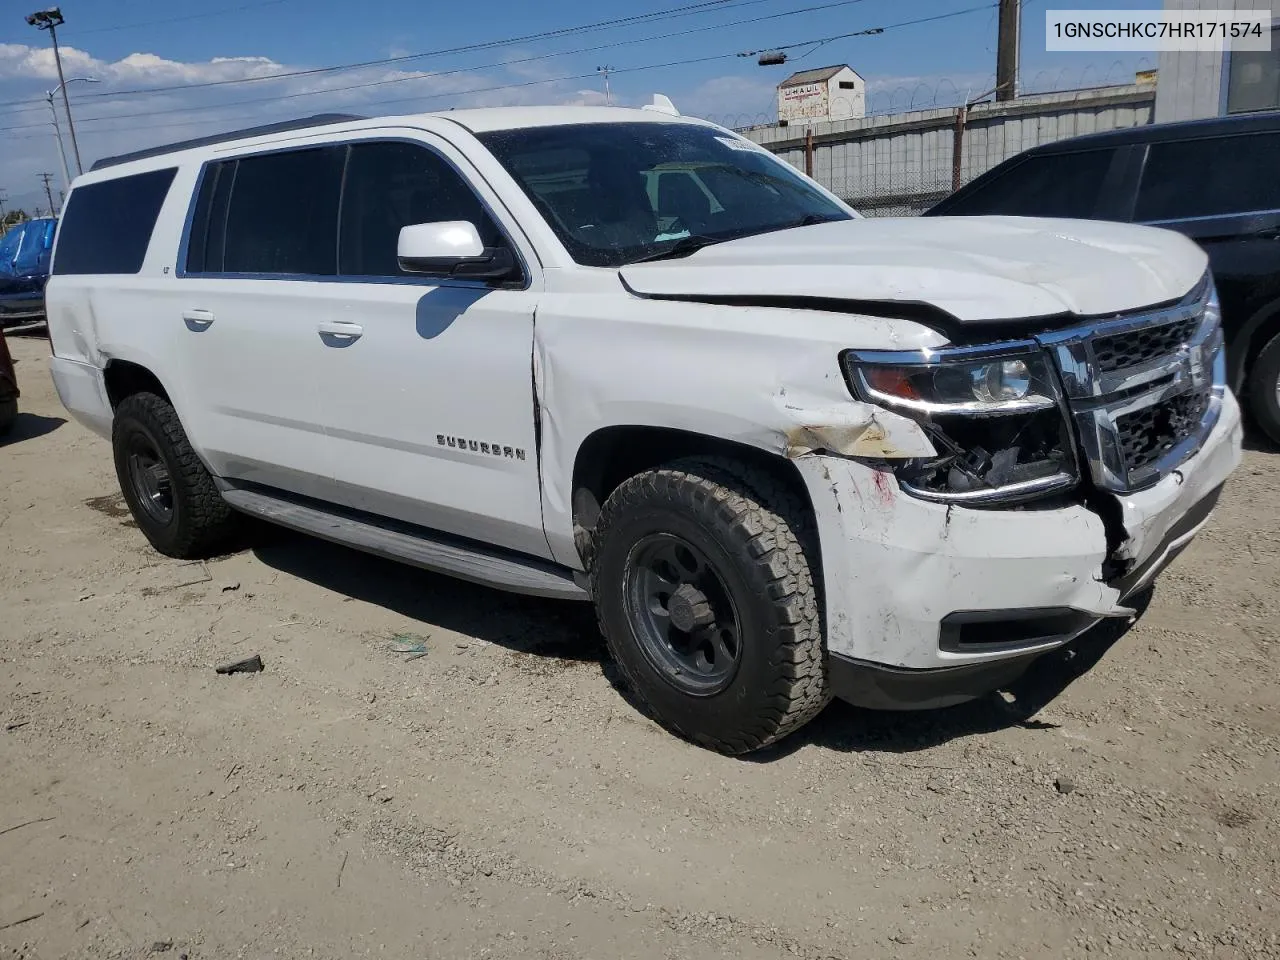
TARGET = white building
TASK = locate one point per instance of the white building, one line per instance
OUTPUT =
(827, 93)
(1198, 84)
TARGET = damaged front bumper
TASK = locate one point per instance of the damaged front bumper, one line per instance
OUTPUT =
(929, 605)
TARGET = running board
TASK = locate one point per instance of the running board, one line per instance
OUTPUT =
(479, 565)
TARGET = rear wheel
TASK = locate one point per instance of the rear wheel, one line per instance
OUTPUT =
(704, 581)
(169, 491)
(1264, 389)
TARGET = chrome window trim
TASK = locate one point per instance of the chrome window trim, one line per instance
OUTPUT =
(348, 140)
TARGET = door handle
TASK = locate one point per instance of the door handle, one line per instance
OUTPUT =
(340, 330)
(197, 319)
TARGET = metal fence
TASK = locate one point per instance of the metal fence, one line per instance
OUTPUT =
(900, 165)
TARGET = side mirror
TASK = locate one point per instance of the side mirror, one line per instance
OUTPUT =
(451, 248)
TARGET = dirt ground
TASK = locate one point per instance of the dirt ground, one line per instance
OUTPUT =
(498, 798)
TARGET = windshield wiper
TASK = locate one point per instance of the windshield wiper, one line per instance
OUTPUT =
(681, 248)
(808, 220)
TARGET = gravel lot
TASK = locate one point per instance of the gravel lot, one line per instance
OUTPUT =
(499, 798)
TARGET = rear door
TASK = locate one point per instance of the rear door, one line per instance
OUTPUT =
(255, 288)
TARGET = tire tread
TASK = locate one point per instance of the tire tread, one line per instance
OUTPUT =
(777, 532)
(206, 521)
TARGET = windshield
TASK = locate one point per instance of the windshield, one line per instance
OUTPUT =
(616, 193)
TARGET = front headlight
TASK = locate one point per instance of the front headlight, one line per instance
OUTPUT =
(995, 415)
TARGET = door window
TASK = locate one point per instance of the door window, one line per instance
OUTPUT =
(282, 217)
(390, 185)
(1210, 177)
(1056, 185)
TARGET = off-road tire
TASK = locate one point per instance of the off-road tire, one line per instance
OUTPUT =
(8, 415)
(760, 537)
(1264, 390)
(202, 522)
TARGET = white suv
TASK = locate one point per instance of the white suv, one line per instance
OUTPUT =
(631, 357)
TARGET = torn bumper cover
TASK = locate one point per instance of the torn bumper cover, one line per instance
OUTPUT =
(931, 604)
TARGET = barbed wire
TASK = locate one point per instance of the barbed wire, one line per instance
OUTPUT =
(946, 92)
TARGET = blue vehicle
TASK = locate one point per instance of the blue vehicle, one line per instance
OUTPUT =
(25, 250)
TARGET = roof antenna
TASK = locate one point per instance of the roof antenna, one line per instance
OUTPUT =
(662, 104)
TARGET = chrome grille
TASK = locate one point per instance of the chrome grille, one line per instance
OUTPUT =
(1121, 350)
(1148, 434)
(1144, 390)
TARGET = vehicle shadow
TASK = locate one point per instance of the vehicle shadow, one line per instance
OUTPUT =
(557, 629)
(853, 730)
(1258, 442)
(28, 426)
(567, 631)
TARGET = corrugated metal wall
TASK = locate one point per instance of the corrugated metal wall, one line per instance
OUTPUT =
(1192, 82)
(901, 164)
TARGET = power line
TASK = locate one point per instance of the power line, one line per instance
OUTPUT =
(703, 6)
(466, 48)
(444, 73)
(873, 30)
(183, 19)
(578, 76)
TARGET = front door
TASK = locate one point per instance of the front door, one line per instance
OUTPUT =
(427, 384)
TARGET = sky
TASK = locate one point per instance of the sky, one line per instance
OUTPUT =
(185, 68)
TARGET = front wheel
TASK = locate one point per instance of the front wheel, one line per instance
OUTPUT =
(1264, 389)
(704, 581)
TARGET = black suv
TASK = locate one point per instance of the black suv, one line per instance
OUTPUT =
(1217, 181)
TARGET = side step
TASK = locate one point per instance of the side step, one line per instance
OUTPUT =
(505, 571)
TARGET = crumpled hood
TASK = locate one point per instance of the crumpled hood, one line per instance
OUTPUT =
(975, 268)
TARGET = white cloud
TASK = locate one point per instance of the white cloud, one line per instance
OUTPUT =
(734, 101)
(107, 126)
(19, 61)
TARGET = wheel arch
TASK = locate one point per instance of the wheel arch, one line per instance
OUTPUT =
(610, 455)
(124, 378)
(1245, 346)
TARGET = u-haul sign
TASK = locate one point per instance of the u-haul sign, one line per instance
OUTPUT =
(803, 102)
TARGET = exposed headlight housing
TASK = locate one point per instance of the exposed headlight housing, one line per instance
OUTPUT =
(995, 414)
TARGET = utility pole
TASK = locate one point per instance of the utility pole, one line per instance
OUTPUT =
(62, 153)
(1007, 45)
(50, 20)
(48, 191)
(608, 97)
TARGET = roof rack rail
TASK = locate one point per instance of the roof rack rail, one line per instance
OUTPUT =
(319, 120)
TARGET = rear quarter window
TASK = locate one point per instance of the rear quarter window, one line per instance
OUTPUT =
(107, 226)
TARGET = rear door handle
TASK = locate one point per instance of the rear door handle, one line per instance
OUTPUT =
(340, 330)
(197, 319)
